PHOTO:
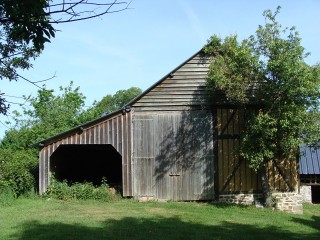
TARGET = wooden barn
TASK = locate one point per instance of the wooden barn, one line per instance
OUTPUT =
(165, 144)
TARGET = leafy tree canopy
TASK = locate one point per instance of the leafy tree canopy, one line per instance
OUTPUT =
(110, 103)
(114, 102)
(25, 27)
(268, 70)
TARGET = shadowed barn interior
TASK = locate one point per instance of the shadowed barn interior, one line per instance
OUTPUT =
(87, 163)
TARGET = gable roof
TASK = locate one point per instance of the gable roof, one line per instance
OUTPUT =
(127, 107)
(76, 129)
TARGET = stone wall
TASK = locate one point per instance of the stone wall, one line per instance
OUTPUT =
(290, 202)
(242, 198)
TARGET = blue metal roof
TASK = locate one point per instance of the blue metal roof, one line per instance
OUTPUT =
(309, 160)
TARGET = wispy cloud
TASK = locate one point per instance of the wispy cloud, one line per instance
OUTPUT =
(193, 19)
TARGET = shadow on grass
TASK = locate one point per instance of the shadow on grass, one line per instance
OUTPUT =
(155, 228)
(228, 205)
(314, 222)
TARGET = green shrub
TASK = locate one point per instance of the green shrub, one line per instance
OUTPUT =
(81, 191)
(7, 196)
(17, 170)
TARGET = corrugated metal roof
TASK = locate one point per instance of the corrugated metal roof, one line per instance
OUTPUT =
(309, 160)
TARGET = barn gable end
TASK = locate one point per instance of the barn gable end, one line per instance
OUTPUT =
(182, 89)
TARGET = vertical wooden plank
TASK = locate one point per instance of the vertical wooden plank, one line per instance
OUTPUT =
(237, 176)
(125, 155)
(115, 134)
(233, 115)
(130, 154)
(76, 138)
(96, 134)
(220, 147)
(216, 179)
(50, 151)
(106, 125)
(120, 135)
(244, 165)
(110, 133)
(225, 164)
(231, 164)
(225, 161)
(46, 167)
(159, 129)
(249, 172)
(105, 132)
(79, 138)
(86, 136)
(227, 143)
(91, 139)
(102, 133)
(166, 156)
(236, 132)
(41, 171)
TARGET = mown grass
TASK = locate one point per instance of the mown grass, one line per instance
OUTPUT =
(54, 219)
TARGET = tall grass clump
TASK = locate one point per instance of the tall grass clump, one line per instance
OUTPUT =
(79, 191)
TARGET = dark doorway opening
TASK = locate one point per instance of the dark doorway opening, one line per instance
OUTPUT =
(87, 163)
(315, 194)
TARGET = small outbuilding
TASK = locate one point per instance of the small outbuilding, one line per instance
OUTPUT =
(165, 144)
(309, 169)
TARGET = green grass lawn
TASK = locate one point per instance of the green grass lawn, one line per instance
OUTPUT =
(52, 219)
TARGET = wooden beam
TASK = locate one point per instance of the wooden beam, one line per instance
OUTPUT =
(236, 167)
(228, 122)
(283, 175)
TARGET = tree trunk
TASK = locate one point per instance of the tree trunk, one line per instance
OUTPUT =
(265, 184)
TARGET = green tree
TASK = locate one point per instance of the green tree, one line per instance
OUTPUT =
(48, 114)
(268, 70)
(25, 27)
(111, 103)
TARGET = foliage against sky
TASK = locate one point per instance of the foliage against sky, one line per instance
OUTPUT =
(268, 72)
(139, 46)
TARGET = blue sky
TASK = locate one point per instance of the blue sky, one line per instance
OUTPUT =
(139, 46)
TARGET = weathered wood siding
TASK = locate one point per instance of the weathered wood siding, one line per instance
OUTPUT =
(234, 173)
(173, 155)
(172, 136)
(115, 130)
(183, 89)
